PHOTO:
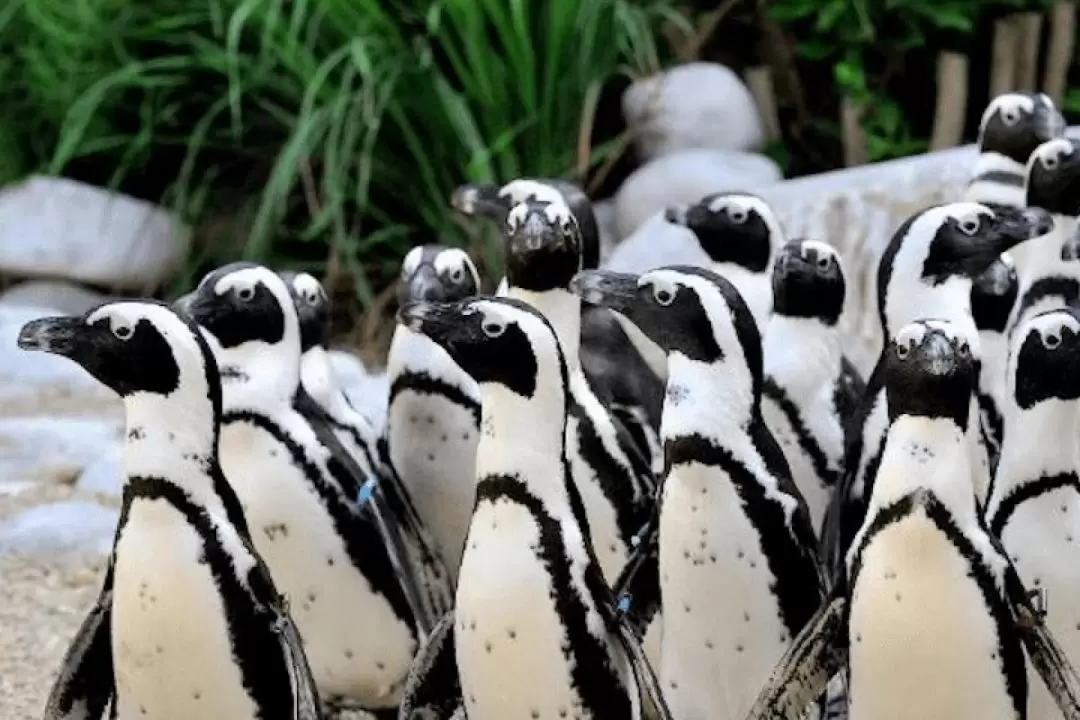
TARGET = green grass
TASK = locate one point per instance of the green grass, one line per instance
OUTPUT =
(300, 131)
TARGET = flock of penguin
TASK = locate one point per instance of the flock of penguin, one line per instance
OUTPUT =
(605, 495)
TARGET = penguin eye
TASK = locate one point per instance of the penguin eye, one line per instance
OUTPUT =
(123, 332)
(1051, 341)
(963, 350)
(1050, 161)
(823, 262)
(902, 351)
(737, 215)
(457, 274)
(969, 225)
(245, 293)
(663, 296)
(1010, 116)
(311, 298)
(493, 329)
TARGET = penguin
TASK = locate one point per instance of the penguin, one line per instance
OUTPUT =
(360, 627)
(929, 619)
(927, 268)
(1051, 276)
(811, 388)
(741, 234)
(534, 631)
(1034, 507)
(993, 296)
(738, 555)
(542, 246)
(189, 622)
(433, 417)
(352, 440)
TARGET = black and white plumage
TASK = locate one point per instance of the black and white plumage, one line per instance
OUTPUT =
(433, 416)
(737, 551)
(189, 622)
(811, 389)
(928, 618)
(542, 247)
(1034, 507)
(352, 439)
(324, 550)
(993, 296)
(534, 632)
(926, 271)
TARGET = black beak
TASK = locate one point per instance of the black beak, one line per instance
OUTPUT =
(479, 199)
(1014, 226)
(605, 288)
(675, 215)
(183, 304)
(424, 285)
(57, 335)
(937, 355)
(443, 323)
(1048, 122)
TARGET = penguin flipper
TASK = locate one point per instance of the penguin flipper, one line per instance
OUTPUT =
(803, 674)
(650, 695)
(637, 588)
(85, 686)
(433, 687)
(306, 703)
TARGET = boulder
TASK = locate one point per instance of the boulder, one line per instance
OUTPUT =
(695, 105)
(53, 449)
(62, 297)
(61, 228)
(685, 177)
(60, 528)
(656, 243)
(105, 474)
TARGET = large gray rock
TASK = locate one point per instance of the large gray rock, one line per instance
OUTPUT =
(608, 225)
(368, 392)
(53, 449)
(58, 529)
(62, 297)
(55, 227)
(105, 474)
(685, 177)
(695, 105)
(656, 243)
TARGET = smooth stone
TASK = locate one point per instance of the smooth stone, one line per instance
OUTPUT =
(61, 228)
(654, 244)
(694, 105)
(685, 177)
(608, 225)
(53, 449)
(60, 528)
(105, 474)
(368, 392)
(63, 297)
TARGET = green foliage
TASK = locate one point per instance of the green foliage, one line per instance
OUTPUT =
(343, 123)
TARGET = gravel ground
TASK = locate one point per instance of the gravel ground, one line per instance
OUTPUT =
(42, 603)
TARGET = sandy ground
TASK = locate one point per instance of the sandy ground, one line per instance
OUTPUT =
(42, 603)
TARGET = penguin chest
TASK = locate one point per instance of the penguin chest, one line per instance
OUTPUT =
(432, 443)
(357, 645)
(171, 639)
(1042, 537)
(514, 651)
(722, 630)
(924, 642)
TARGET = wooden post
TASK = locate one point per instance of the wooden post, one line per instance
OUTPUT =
(1059, 54)
(759, 80)
(1003, 59)
(851, 133)
(952, 95)
(1028, 34)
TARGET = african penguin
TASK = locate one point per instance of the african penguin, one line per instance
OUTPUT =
(433, 417)
(534, 632)
(324, 551)
(1051, 277)
(542, 246)
(1034, 508)
(928, 619)
(810, 387)
(738, 563)
(189, 623)
(352, 440)
(926, 270)
(993, 295)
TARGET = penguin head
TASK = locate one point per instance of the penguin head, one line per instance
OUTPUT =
(1053, 177)
(479, 199)
(930, 371)
(1015, 123)
(496, 340)
(312, 307)
(932, 259)
(993, 294)
(247, 314)
(140, 349)
(1070, 246)
(437, 273)
(688, 312)
(542, 243)
(732, 228)
(1044, 359)
(808, 281)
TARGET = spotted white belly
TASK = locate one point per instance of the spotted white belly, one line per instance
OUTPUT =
(722, 630)
(923, 643)
(357, 647)
(172, 655)
(432, 443)
(512, 647)
(1042, 536)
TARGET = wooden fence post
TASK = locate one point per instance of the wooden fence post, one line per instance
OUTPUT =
(1059, 53)
(952, 95)
(851, 133)
(1003, 59)
(759, 80)
(1028, 34)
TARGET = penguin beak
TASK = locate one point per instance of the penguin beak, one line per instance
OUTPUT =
(65, 336)
(605, 288)
(938, 356)
(1014, 226)
(441, 322)
(472, 199)
(424, 285)
(676, 215)
(1048, 122)
(1070, 249)
(183, 303)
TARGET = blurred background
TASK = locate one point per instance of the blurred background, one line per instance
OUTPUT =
(327, 135)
